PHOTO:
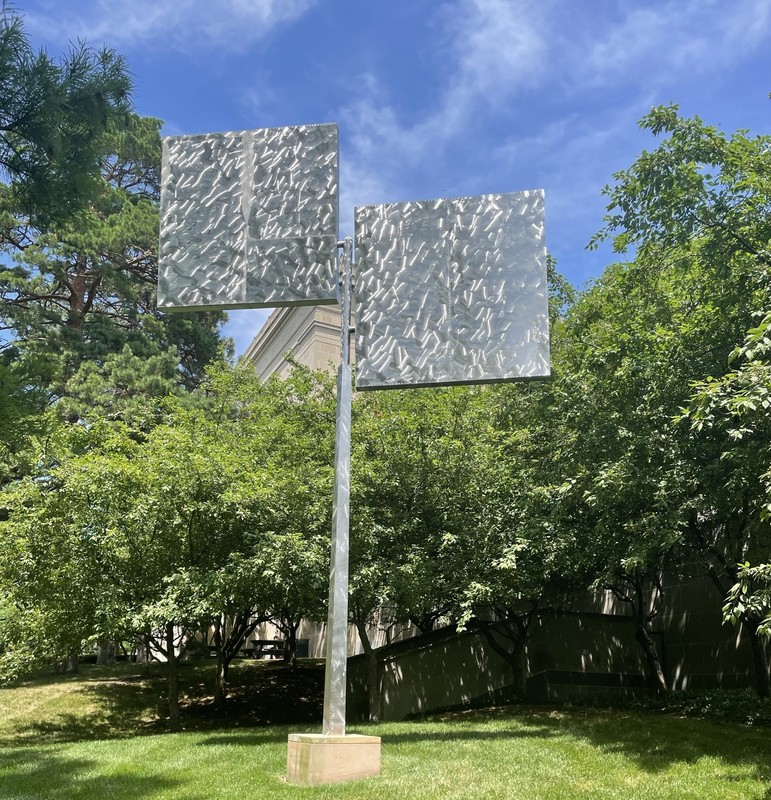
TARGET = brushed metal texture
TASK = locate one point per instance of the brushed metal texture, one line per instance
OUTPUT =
(451, 291)
(335, 681)
(249, 219)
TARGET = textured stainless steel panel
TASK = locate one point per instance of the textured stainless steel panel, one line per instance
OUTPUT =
(249, 219)
(451, 291)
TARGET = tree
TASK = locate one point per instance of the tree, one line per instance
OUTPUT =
(136, 529)
(440, 510)
(734, 409)
(212, 516)
(290, 425)
(21, 414)
(615, 482)
(52, 118)
(124, 387)
(695, 211)
(296, 577)
(78, 306)
(522, 561)
(414, 480)
(411, 479)
(54, 562)
(85, 289)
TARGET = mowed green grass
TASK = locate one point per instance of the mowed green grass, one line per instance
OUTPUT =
(48, 749)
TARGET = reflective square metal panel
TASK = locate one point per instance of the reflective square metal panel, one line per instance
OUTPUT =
(451, 291)
(249, 219)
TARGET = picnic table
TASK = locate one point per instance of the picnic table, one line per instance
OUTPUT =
(266, 647)
(258, 648)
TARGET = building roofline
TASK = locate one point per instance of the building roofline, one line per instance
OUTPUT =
(269, 329)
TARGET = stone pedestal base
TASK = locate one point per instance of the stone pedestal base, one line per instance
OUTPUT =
(314, 759)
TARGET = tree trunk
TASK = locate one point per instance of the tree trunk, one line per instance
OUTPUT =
(630, 589)
(373, 682)
(71, 664)
(655, 668)
(175, 722)
(516, 632)
(519, 662)
(290, 646)
(230, 634)
(221, 680)
(221, 675)
(146, 656)
(759, 659)
(106, 653)
(143, 652)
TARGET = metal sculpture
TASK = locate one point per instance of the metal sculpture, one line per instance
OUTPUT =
(448, 291)
(451, 291)
(249, 219)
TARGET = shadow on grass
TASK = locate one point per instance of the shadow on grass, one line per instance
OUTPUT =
(263, 694)
(460, 735)
(37, 773)
(656, 742)
(652, 742)
(124, 702)
(279, 736)
(248, 739)
(268, 700)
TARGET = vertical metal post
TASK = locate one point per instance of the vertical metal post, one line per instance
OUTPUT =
(337, 621)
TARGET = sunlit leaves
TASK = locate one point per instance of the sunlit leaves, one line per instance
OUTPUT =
(204, 513)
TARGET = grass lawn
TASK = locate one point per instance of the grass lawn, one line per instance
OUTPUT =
(98, 735)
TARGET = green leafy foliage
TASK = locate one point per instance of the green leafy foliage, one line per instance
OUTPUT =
(647, 341)
(751, 595)
(78, 306)
(219, 508)
(22, 420)
(647, 449)
(742, 706)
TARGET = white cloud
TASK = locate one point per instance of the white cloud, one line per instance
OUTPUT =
(575, 156)
(494, 51)
(659, 42)
(499, 47)
(359, 186)
(490, 50)
(259, 98)
(748, 25)
(169, 23)
(496, 47)
(578, 152)
(644, 37)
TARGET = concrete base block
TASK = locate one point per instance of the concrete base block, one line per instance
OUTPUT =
(314, 759)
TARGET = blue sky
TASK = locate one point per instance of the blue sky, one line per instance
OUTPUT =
(440, 98)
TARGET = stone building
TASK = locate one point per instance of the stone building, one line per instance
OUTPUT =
(310, 333)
